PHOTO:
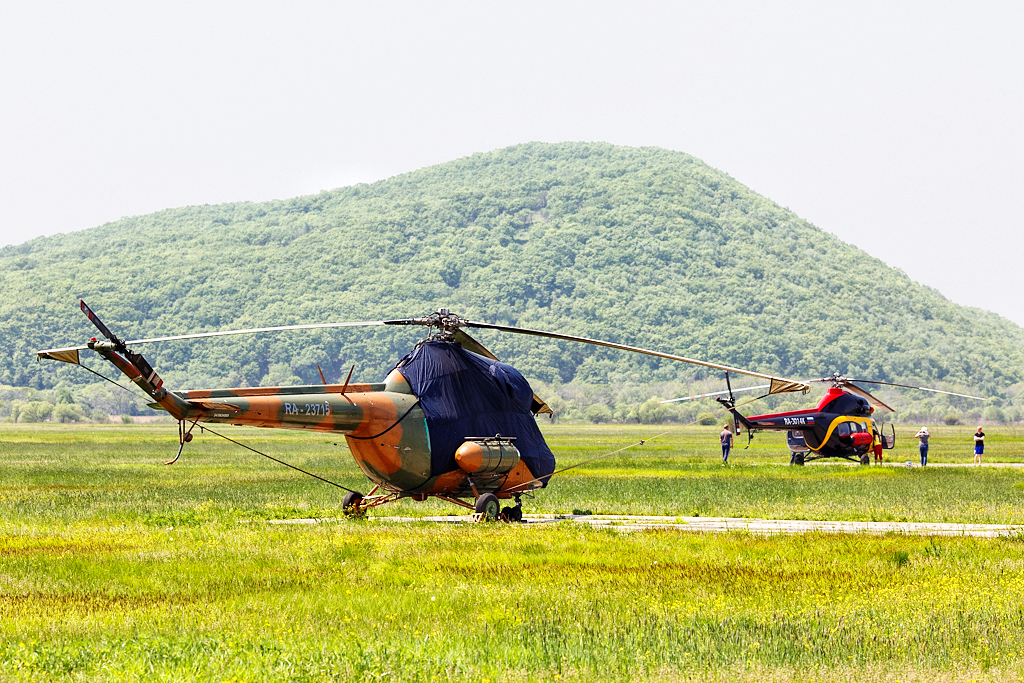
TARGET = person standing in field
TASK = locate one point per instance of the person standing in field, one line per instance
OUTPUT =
(922, 444)
(726, 440)
(979, 445)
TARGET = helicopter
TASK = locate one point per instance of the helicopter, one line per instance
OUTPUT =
(449, 421)
(840, 426)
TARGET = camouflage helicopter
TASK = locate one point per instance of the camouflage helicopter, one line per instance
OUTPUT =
(840, 426)
(450, 421)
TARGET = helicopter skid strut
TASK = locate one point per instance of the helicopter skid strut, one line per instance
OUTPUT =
(455, 501)
(856, 459)
(487, 507)
(359, 507)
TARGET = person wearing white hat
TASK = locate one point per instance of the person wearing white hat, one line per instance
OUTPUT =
(922, 438)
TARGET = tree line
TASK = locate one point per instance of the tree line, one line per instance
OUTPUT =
(640, 246)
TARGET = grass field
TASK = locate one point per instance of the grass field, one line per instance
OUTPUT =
(115, 567)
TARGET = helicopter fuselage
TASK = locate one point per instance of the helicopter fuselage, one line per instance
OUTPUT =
(841, 425)
(383, 424)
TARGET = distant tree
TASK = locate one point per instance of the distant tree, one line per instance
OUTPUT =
(35, 411)
(652, 412)
(68, 412)
(993, 414)
(558, 407)
(598, 413)
(15, 409)
(626, 412)
(280, 375)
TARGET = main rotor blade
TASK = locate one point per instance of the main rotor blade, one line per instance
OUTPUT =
(854, 389)
(908, 386)
(779, 385)
(254, 330)
(715, 393)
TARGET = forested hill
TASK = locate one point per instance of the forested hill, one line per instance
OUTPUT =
(640, 246)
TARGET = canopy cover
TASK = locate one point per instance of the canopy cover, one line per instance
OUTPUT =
(463, 395)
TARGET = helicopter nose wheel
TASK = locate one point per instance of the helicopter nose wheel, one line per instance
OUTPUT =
(487, 506)
(865, 459)
(351, 504)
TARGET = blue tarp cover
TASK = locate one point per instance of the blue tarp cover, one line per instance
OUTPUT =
(463, 394)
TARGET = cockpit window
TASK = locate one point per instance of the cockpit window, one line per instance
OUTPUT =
(843, 430)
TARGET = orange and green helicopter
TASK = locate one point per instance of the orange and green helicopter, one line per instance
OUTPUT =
(450, 421)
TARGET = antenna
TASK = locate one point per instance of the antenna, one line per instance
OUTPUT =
(344, 388)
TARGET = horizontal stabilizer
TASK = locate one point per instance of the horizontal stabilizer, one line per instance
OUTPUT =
(68, 355)
(782, 386)
(207, 405)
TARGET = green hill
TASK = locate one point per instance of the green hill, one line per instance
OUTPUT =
(640, 246)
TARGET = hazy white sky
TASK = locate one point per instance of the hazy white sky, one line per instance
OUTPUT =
(898, 127)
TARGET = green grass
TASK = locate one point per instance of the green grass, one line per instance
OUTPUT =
(116, 474)
(700, 444)
(462, 603)
(115, 567)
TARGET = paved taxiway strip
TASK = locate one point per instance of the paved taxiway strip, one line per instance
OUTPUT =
(908, 463)
(724, 524)
(790, 526)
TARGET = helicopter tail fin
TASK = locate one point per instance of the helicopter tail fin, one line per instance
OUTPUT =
(132, 365)
(740, 419)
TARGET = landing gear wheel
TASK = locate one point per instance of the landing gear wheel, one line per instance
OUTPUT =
(799, 459)
(512, 514)
(350, 504)
(487, 506)
(865, 460)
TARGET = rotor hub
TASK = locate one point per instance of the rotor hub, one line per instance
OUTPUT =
(443, 324)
